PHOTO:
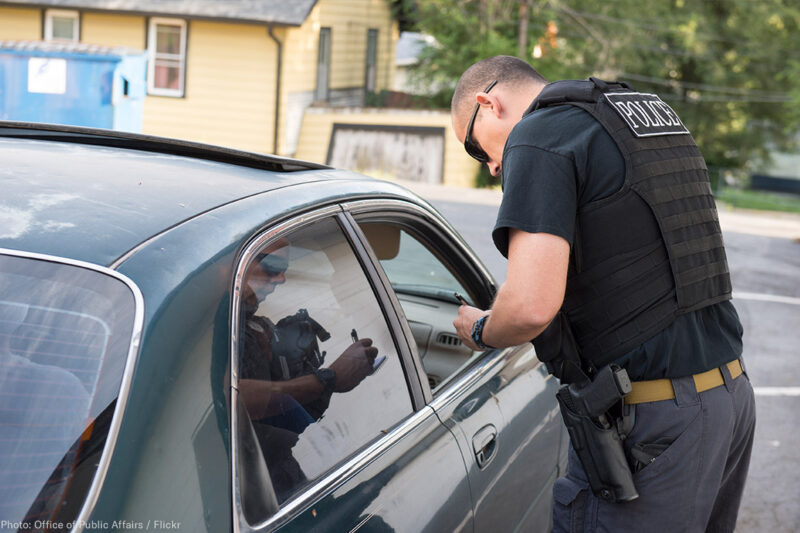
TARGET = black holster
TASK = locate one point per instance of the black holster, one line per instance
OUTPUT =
(595, 432)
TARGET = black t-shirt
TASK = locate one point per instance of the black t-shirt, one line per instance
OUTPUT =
(559, 159)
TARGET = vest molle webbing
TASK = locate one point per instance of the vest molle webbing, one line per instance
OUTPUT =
(653, 250)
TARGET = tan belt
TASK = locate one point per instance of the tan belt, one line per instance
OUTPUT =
(657, 390)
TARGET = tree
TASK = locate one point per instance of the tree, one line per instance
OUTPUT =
(728, 67)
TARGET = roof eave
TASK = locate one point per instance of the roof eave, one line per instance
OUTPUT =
(166, 14)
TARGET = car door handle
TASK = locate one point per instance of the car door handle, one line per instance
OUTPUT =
(484, 444)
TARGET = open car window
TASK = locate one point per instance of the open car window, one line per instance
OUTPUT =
(425, 281)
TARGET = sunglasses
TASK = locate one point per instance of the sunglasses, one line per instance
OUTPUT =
(473, 148)
(273, 264)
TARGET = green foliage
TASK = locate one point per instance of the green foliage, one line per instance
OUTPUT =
(728, 67)
(747, 199)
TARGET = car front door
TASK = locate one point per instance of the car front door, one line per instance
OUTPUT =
(499, 403)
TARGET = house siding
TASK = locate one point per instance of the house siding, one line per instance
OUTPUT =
(114, 30)
(349, 21)
(230, 89)
(20, 24)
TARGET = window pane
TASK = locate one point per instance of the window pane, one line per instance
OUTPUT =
(305, 300)
(414, 267)
(64, 28)
(372, 59)
(64, 341)
(167, 75)
(323, 64)
(168, 39)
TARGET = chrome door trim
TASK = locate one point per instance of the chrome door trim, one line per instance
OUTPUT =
(127, 374)
(338, 475)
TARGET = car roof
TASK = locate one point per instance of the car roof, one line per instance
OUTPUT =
(93, 195)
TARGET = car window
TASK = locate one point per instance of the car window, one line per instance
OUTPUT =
(65, 335)
(425, 283)
(319, 376)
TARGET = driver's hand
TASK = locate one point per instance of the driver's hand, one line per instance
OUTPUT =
(354, 364)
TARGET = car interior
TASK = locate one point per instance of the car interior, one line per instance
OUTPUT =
(426, 287)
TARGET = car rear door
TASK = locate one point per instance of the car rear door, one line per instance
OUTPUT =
(500, 404)
(374, 458)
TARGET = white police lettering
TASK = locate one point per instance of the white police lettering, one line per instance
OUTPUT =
(646, 114)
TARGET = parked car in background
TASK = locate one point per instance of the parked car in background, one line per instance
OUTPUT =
(202, 339)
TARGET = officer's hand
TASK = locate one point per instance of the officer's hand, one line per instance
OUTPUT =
(354, 365)
(467, 315)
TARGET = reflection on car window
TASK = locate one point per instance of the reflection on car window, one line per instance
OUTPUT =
(319, 375)
(424, 284)
(64, 339)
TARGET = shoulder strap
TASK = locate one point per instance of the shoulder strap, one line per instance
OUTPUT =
(574, 91)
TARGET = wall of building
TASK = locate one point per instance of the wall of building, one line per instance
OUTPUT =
(230, 88)
(349, 21)
(114, 30)
(318, 123)
(20, 24)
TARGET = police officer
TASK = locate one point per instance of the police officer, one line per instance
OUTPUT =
(615, 257)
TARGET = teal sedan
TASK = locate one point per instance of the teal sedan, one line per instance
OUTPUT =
(194, 338)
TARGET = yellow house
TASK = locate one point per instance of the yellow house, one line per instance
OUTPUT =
(285, 77)
(235, 72)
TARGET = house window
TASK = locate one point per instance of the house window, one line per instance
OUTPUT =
(166, 46)
(322, 92)
(372, 61)
(61, 25)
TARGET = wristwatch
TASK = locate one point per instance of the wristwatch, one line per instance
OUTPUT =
(477, 333)
(327, 377)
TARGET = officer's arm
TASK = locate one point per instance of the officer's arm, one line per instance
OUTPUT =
(532, 294)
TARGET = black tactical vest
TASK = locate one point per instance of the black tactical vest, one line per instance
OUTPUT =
(647, 253)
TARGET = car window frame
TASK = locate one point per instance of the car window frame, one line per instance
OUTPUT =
(364, 455)
(137, 331)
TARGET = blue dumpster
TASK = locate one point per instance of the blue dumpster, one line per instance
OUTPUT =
(72, 83)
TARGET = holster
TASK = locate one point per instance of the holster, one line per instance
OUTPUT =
(595, 434)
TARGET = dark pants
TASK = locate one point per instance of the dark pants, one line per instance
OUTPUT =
(696, 482)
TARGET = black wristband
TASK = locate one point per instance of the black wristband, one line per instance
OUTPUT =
(477, 333)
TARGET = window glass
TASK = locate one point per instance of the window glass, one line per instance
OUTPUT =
(372, 60)
(318, 372)
(323, 64)
(65, 334)
(167, 57)
(61, 25)
(425, 285)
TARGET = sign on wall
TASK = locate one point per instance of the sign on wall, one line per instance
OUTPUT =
(47, 75)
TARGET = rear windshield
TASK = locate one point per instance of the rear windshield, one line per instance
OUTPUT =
(65, 334)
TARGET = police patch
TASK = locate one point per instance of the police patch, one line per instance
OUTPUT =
(646, 114)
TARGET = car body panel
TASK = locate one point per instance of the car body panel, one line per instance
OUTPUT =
(97, 220)
(379, 498)
(510, 393)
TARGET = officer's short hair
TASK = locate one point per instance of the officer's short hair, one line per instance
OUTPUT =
(504, 69)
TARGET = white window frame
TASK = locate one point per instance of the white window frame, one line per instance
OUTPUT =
(49, 14)
(152, 35)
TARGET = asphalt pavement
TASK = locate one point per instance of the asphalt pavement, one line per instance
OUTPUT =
(764, 259)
